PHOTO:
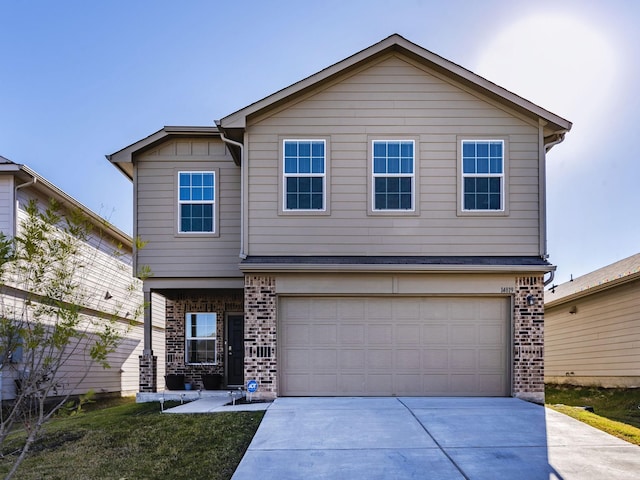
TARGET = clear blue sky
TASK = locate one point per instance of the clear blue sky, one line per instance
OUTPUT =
(81, 79)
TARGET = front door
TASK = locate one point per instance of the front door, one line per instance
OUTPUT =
(235, 349)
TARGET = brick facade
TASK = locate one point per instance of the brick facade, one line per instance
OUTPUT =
(260, 360)
(528, 339)
(148, 372)
(176, 310)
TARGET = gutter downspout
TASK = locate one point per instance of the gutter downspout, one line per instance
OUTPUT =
(552, 274)
(242, 253)
(15, 197)
(545, 144)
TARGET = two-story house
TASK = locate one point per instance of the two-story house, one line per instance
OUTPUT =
(377, 228)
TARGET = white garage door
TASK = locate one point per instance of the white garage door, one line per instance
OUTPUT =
(403, 346)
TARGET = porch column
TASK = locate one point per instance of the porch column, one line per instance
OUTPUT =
(528, 341)
(147, 361)
(260, 362)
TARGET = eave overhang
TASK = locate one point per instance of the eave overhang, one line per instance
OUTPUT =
(553, 124)
(123, 159)
(396, 264)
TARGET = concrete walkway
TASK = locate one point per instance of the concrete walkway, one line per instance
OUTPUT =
(430, 438)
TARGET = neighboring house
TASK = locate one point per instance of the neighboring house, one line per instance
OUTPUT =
(592, 334)
(377, 228)
(109, 252)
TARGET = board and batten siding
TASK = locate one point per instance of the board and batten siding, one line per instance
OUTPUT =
(393, 98)
(599, 343)
(6, 205)
(166, 252)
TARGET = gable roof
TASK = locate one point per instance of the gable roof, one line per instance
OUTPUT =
(28, 177)
(617, 273)
(556, 126)
(123, 158)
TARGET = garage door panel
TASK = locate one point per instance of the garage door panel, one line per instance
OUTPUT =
(490, 358)
(462, 359)
(435, 359)
(296, 359)
(408, 359)
(324, 334)
(491, 335)
(379, 334)
(377, 359)
(324, 359)
(463, 334)
(394, 346)
(352, 334)
(297, 334)
(352, 359)
(437, 334)
(408, 334)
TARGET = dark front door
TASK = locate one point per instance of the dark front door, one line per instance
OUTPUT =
(235, 349)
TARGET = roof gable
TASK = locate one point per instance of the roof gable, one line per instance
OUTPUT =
(398, 44)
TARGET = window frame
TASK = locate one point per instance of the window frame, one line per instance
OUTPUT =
(504, 176)
(283, 210)
(415, 176)
(215, 203)
(188, 338)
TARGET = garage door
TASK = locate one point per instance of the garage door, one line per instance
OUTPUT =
(402, 346)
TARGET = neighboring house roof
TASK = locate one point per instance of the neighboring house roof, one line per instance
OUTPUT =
(555, 127)
(25, 176)
(617, 273)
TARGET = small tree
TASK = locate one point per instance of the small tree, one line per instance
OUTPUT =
(49, 315)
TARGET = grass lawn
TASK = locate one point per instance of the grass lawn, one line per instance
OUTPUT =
(136, 441)
(615, 410)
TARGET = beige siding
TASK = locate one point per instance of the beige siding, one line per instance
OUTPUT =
(601, 340)
(393, 98)
(168, 253)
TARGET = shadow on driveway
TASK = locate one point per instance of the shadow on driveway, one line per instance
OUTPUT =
(431, 438)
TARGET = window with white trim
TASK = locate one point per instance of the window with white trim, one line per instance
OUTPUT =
(483, 175)
(393, 175)
(201, 340)
(304, 174)
(196, 202)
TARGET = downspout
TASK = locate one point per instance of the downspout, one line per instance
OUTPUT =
(547, 147)
(15, 196)
(552, 274)
(242, 253)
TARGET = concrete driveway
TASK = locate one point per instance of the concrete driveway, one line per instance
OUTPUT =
(430, 438)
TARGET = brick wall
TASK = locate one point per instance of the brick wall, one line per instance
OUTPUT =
(260, 334)
(176, 309)
(528, 341)
(148, 372)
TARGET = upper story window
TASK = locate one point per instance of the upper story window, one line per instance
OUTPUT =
(201, 337)
(393, 175)
(304, 175)
(483, 175)
(196, 199)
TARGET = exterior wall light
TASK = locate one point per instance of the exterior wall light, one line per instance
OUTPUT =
(531, 300)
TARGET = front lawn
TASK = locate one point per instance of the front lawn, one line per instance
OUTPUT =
(137, 441)
(615, 410)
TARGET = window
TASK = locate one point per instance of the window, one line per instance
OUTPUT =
(201, 337)
(393, 174)
(483, 175)
(196, 199)
(304, 174)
